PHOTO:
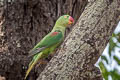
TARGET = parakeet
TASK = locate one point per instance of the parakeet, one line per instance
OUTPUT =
(49, 43)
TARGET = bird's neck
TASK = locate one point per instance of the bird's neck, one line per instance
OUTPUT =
(58, 27)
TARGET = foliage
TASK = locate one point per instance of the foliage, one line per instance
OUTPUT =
(106, 63)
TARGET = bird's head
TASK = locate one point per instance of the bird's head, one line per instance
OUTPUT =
(65, 20)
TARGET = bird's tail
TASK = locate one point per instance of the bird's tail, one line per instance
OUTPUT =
(32, 63)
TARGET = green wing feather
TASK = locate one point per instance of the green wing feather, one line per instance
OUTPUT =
(46, 42)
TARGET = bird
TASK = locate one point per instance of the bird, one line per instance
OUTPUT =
(50, 42)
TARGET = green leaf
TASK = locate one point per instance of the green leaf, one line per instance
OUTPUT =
(113, 34)
(104, 58)
(117, 59)
(105, 73)
(115, 75)
(112, 46)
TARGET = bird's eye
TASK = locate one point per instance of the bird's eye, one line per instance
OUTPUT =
(65, 16)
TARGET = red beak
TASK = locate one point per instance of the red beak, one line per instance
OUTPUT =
(71, 20)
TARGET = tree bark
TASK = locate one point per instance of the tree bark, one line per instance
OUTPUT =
(85, 43)
(25, 22)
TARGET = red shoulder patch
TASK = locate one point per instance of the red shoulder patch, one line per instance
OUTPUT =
(54, 33)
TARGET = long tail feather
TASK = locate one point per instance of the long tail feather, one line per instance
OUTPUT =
(32, 63)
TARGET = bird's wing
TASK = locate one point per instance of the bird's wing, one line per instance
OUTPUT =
(49, 40)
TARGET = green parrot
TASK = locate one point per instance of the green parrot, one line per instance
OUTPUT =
(50, 42)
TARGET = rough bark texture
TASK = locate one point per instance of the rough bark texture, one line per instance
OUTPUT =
(25, 23)
(85, 43)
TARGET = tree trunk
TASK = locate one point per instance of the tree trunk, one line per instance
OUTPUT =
(25, 23)
(85, 43)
